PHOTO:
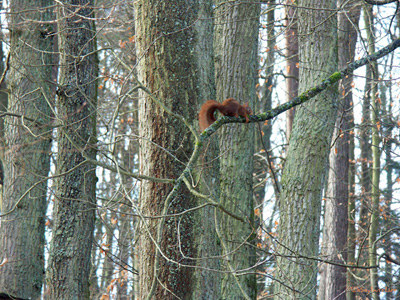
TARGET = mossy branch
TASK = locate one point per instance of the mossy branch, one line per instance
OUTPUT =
(307, 95)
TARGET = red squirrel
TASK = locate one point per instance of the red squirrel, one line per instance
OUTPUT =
(230, 107)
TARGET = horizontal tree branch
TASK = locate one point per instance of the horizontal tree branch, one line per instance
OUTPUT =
(381, 2)
(307, 95)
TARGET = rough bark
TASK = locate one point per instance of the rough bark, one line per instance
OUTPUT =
(351, 212)
(304, 172)
(334, 244)
(27, 149)
(207, 282)
(165, 41)
(235, 40)
(75, 201)
(292, 63)
(3, 105)
(388, 194)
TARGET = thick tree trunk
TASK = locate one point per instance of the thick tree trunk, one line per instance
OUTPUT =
(26, 156)
(236, 35)
(75, 200)
(165, 37)
(334, 244)
(207, 281)
(306, 164)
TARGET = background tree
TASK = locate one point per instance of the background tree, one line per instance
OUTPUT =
(28, 133)
(305, 167)
(336, 223)
(68, 271)
(207, 281)
(292, 62)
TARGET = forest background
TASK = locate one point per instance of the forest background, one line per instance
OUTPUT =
(109, 190)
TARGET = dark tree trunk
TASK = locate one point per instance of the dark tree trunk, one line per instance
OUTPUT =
(75, 201)
(165, 37)
(334, 244)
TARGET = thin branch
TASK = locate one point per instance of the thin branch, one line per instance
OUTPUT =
(382, 2)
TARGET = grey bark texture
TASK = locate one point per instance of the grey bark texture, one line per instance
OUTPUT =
(305, 168)
(207, 282)
(235, 46)
(68, 271)
(27, 139)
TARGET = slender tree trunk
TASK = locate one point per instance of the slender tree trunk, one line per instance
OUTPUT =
(348, 33)
(376, 155)
(264, 163)
(387, 221)
(388, 195)
(26, 156)
(351, 212)
(365, 197)
(307, 158)
(75, 200)
(268, 86)
(292, 62)
(347, 37)
(334, 243)
(3, 105)
(165, 41)
(235, 44)
(125, 226)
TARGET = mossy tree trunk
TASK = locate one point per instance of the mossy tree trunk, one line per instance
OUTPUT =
(307, 159)
(75, 201)
(235, 40)
(27, 149)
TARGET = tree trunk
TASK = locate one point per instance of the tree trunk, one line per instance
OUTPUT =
(236, 34)
(307, 158)
(3, 106)
(165, 37)
(351, 212)
(207, 281)
(376, 155)
(365, 197)
(292, 64)
(334, 244)
(75, 200)
(26, 157)
(388, 194)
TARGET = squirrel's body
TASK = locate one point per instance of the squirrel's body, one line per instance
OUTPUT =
(230, 107)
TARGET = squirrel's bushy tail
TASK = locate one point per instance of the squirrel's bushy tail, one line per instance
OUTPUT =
(206, 114)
